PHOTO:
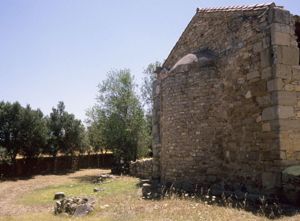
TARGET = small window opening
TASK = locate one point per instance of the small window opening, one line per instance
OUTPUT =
(298, 35)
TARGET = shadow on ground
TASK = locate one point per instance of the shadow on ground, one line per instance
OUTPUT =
(99, 178)
(30, 176)
(58, 173)
(270, 208)
(86, 178)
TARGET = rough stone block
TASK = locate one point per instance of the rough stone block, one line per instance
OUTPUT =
(253, 155)
(252, 75)
(283, 71)
(275, 84)
(266, 73)
(264, 101)
(59, 195)
(284, 143)
(258, 88)
(269, 113)
(287, 55)
(278, 27)
(294, 42)
(296, 72)
(283, 155)
(285, 112)
(241, 80)
(287, 124)
(297, 88)
(266, 127)
(258, 119)
(277, 112)
(297, 154)
(248, 95)
(257, 47)
(265, 58)
(279, 38)
(284, 98)
(281, 16)
(146, 189)
(289, 87)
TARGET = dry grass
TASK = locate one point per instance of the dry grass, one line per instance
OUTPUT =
(120, 200)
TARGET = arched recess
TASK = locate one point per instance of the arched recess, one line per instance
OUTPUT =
(297, 30)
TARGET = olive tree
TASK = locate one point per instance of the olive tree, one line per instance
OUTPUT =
(119, 120)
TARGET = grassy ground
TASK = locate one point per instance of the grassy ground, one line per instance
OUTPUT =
(120, 200)
(45, 195)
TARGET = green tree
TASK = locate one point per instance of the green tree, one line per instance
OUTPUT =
(55, 124)
(32, 133)
(94, 130)
(22, 131)
(66, 133)
(10, 125)
(119, 118)
(74, 135)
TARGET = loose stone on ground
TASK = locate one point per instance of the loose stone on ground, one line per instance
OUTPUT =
(74, 206)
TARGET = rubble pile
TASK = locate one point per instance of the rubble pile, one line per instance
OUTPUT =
(74, 206)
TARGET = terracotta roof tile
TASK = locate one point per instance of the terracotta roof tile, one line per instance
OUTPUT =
(238, 8)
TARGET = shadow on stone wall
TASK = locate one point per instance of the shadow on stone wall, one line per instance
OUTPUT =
(260, 205)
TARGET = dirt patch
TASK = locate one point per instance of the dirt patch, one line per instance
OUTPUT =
(12, 191)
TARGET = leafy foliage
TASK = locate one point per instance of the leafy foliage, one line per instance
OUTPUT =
(94, 130)
(32, 132)
(118, 118)
(10, 126)
(66, 134)
(27, 132)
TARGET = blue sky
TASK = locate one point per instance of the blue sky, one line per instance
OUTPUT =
(59, 50)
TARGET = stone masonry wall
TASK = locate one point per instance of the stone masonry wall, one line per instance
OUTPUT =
(284, 115)
(236, 122)
(141, 168)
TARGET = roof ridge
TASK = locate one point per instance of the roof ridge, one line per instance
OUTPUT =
(238, 7)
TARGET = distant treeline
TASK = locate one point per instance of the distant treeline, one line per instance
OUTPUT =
(27, 132)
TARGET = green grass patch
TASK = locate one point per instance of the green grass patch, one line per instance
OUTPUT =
(45, 195)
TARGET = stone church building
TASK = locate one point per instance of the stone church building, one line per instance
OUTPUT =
(227, 100)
